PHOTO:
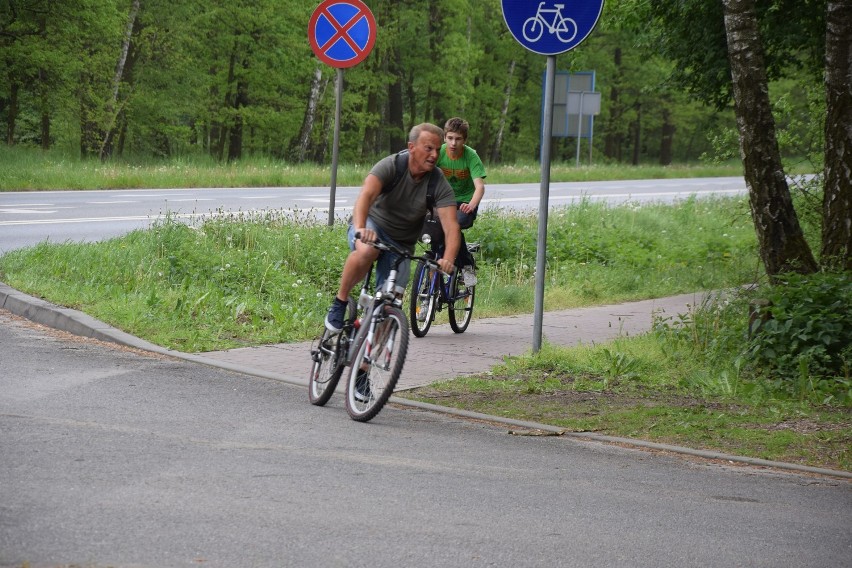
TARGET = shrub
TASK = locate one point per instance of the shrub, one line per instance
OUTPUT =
(806, 342)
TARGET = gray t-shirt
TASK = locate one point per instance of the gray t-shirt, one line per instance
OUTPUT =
(401, 211)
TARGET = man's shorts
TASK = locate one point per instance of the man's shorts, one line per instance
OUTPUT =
(386, 258)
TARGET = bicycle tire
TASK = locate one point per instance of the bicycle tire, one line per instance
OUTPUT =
(383, 365)
(420, 295)
(329, 359)
(460, 309)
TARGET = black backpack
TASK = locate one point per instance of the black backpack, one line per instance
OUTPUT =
(431, 224)
(400, 164)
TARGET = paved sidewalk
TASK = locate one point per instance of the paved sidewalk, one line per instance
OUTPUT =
(443, 354)
(440, 355)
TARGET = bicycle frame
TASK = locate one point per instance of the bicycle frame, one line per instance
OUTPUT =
(385, 296)
(557, 16)
(373, 346)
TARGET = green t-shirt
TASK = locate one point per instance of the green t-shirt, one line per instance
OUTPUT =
(461, 173)
(401, 210)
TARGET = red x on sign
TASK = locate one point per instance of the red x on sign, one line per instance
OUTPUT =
(342, 32)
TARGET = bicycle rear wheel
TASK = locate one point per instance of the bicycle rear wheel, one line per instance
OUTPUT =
(423, 302)
(329, 358)
(377, 366)
(461, 304)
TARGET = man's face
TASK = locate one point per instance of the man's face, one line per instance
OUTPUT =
(424, 153)
(455, 144)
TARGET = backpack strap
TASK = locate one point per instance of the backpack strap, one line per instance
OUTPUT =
(400, 164)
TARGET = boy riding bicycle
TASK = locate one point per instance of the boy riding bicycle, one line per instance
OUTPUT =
(464, 170)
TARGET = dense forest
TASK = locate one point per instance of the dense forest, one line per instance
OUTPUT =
(124, 78)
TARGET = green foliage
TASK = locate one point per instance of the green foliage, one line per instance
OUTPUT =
(233, 279)
(647, 238)
(802, 349)
(806, 342)
(233, 80)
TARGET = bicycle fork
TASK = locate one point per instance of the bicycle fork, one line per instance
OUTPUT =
(385, 347)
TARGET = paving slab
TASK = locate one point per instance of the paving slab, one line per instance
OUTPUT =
(444, 354)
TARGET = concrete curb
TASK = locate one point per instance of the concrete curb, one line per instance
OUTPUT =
(78, 323)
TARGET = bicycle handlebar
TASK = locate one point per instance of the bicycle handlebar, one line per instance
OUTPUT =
(385, 246)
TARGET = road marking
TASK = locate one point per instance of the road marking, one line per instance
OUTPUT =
(632, 195)
(99, 219)
(26, 211)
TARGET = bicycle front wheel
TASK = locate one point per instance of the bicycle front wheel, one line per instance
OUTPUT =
(423, 302)
(461, 304)
(329, 358)
(377, 366)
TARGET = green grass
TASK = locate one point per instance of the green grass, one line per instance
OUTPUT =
(640, 388)
(28, 169)
(249, 279)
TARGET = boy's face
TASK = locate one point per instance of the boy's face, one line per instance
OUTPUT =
(455, 144)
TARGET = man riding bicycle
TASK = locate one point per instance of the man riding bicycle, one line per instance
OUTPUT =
(395, 213)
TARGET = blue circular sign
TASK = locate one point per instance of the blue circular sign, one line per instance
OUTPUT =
(553, 26)
(342, 32)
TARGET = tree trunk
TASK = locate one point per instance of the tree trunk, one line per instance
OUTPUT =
(637, 135)
(235, 147)
(112, 106)
(780, 239)
(45, 130)
(504, 112)
(12, 114)
(614, 140)
(370, 145)
(667, 139)
(44, 94)
(310, 115)
(837, 200)
(225, 127)
(90, 133)
(397, 135)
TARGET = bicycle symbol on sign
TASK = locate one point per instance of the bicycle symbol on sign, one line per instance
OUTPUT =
(565, 28)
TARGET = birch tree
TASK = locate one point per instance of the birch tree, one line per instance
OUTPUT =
(837, 198)
(780, 238)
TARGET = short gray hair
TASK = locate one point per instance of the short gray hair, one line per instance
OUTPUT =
(415, 132)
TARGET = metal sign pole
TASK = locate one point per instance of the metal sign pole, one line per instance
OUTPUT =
(527, 25)
(342, 34)
(541, 246)
(579, 127)
(335, 147)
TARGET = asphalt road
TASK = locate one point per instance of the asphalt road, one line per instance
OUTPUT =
(27, 218)
(123, 459)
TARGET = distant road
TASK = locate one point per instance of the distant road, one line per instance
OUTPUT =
(27, 218)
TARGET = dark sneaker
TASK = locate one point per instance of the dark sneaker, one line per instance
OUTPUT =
(363, 393)
(336, 313)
